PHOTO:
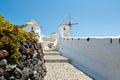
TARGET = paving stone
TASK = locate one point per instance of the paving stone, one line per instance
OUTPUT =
(57, 70)
(64, 71)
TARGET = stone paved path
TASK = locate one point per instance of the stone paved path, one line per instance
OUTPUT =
(61, 69)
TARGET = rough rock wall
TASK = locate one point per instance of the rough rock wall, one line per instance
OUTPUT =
(30, 67)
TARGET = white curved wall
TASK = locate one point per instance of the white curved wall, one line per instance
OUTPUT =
(98, 57)
(36, 29)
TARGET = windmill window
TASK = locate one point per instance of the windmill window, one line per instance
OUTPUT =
(63, 28)
(32, 29)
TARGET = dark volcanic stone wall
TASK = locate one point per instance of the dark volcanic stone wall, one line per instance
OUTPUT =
(31, 63)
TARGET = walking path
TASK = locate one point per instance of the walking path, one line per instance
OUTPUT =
(59, 68)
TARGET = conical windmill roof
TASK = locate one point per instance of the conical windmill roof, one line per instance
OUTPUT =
(33, 23)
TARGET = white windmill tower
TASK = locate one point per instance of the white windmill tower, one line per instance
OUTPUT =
(33, 26)
(65, 28)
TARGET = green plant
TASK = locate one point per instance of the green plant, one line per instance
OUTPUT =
(10, 38)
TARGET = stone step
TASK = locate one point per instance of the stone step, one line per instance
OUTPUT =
(55, 58)
(50, 50)
(52, 53)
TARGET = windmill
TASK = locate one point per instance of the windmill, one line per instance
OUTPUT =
(70, 24)
(66, 27)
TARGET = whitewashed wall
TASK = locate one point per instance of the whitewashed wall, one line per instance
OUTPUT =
(98, 57)
(37, 29)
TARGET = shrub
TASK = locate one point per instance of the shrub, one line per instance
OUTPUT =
(10, 38)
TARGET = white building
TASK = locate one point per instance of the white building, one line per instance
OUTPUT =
(33, 26)
(51, 41)
(99, 57)
(64, 29)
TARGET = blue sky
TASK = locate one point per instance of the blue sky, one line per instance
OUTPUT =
(94, 17)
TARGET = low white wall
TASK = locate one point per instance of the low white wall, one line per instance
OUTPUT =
(98, 57)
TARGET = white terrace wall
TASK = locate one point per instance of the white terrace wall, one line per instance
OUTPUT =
(98, 57)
